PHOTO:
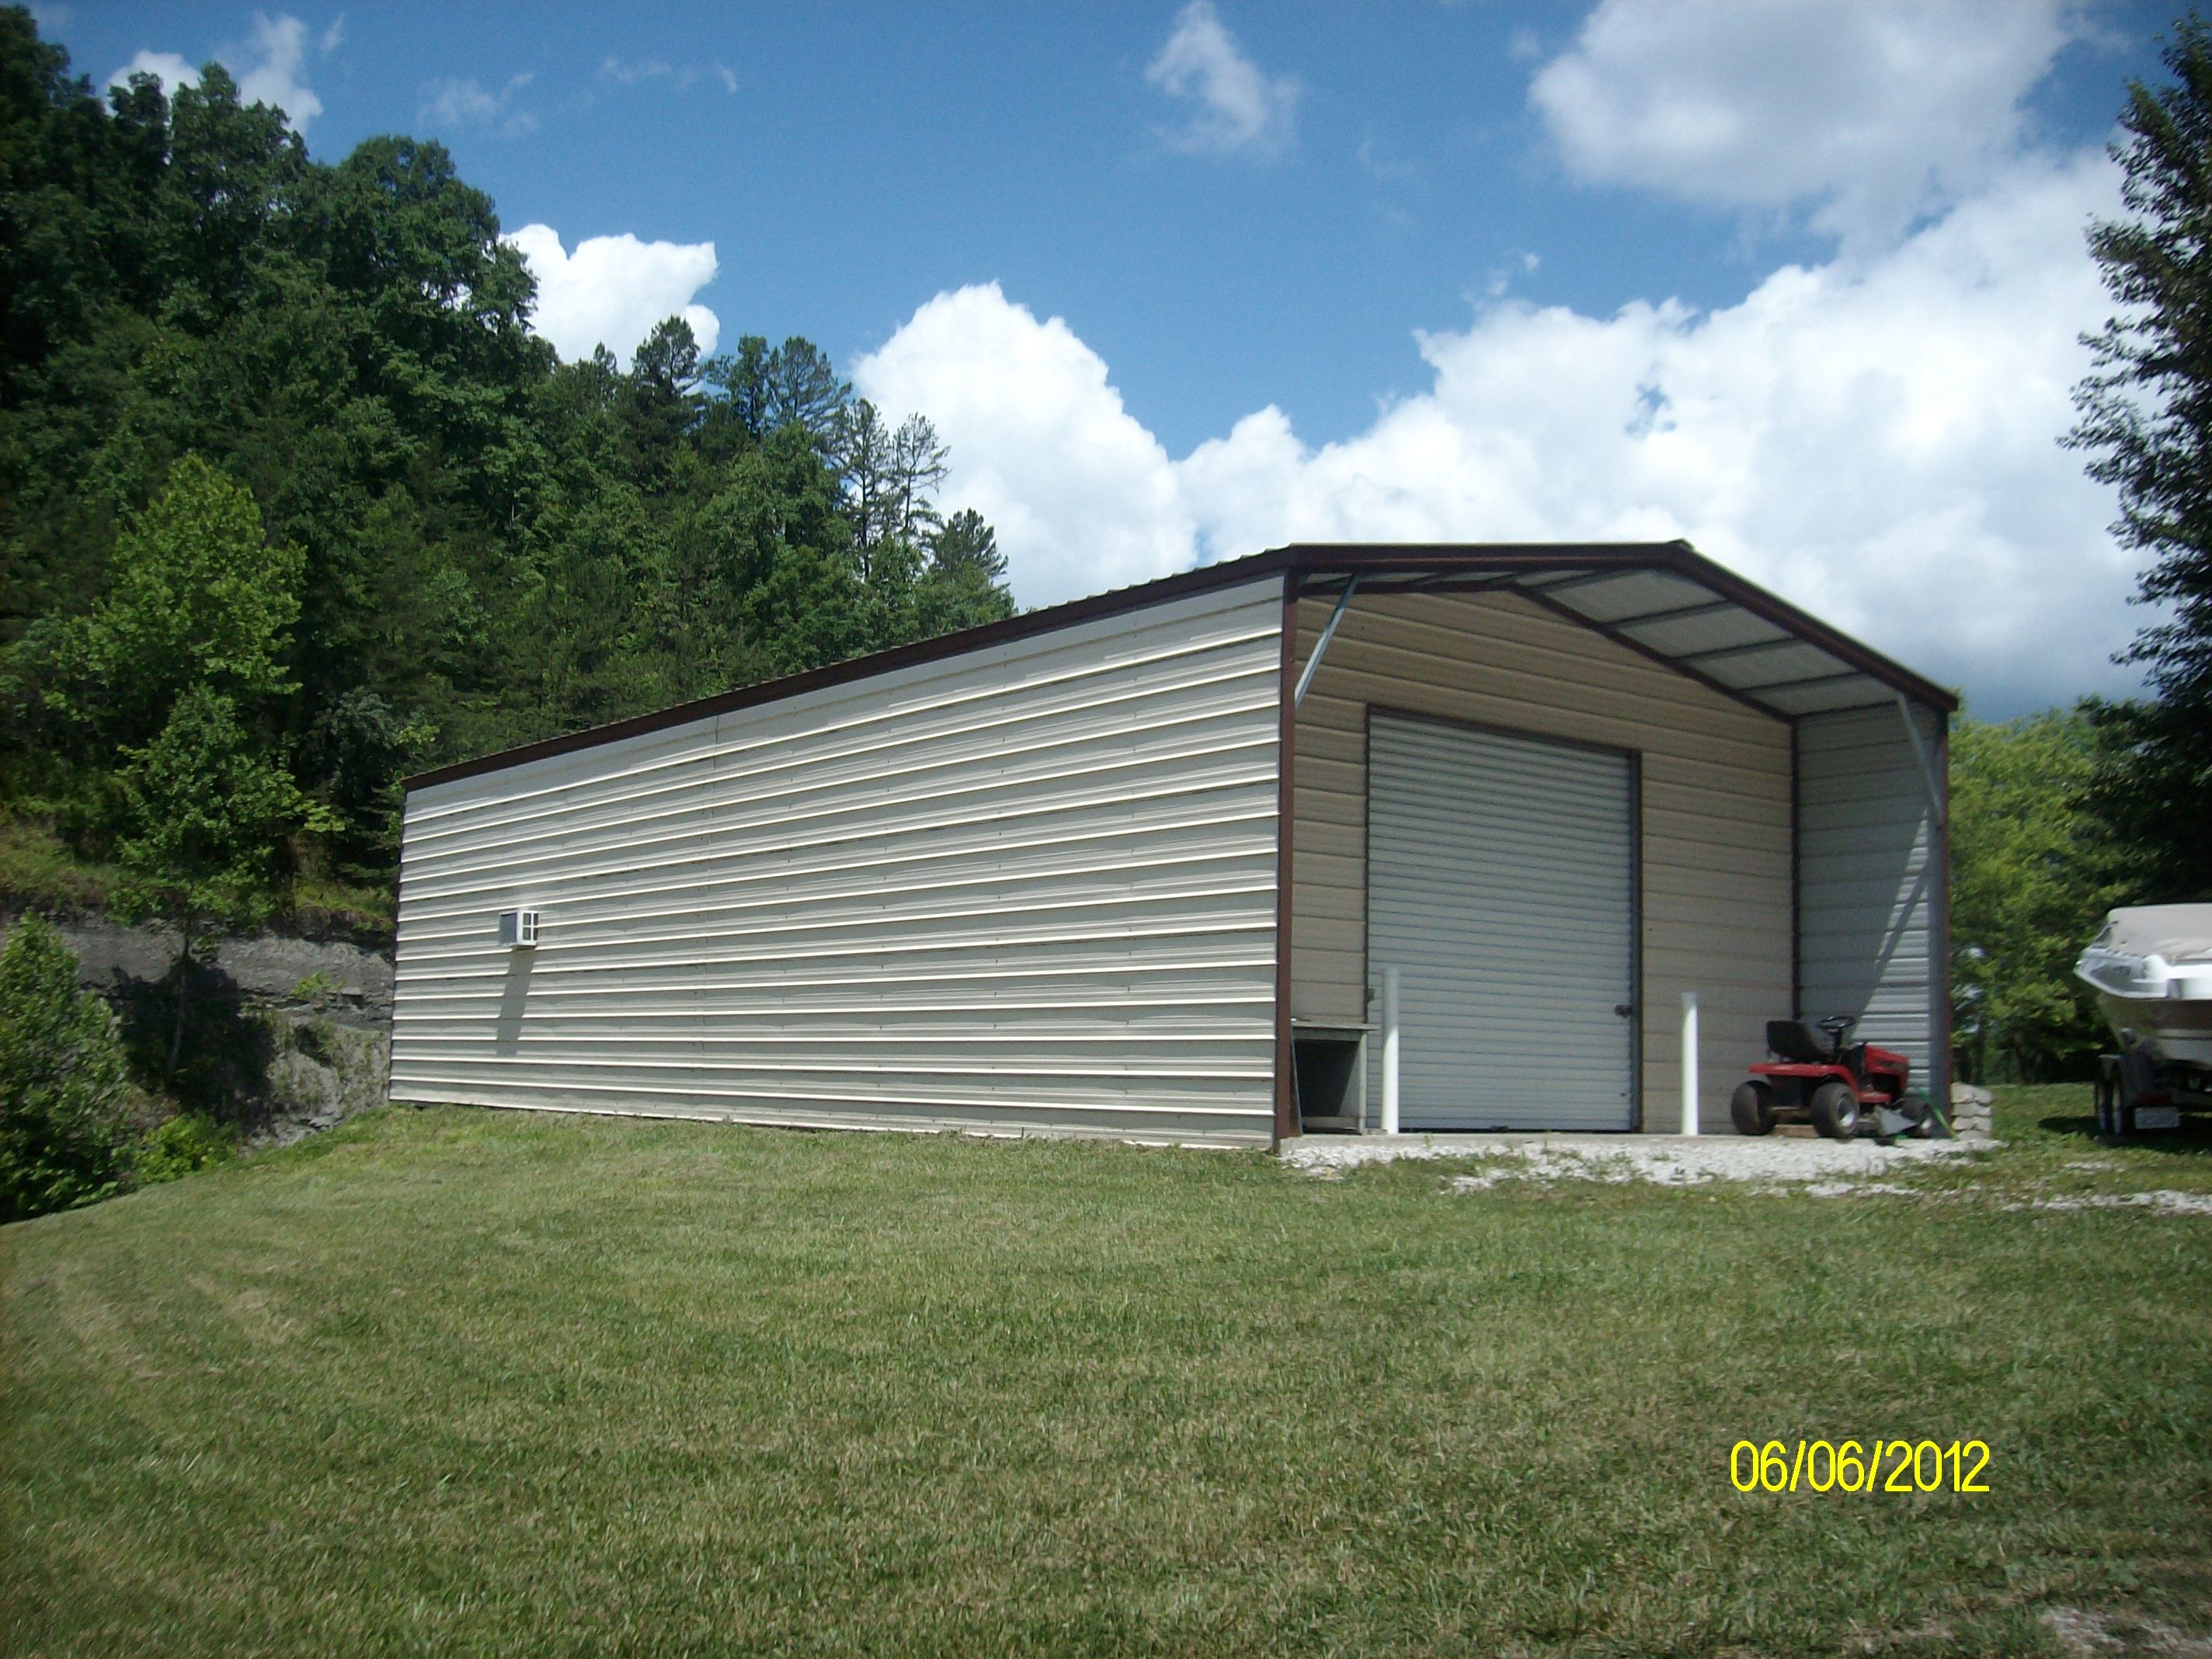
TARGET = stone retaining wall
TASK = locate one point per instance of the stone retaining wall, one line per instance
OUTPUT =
(324, 1008)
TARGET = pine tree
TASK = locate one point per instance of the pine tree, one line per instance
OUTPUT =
(865, 460)
(2147, 420)
(918, 465)
(967, 544)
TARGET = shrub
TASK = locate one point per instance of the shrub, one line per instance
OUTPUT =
(63, 1092)
(182, 1146)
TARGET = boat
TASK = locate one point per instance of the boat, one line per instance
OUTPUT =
(2151, 968)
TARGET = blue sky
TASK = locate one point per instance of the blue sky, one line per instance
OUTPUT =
(1181, 280)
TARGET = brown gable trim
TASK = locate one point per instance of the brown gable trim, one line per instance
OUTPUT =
(1299, 560)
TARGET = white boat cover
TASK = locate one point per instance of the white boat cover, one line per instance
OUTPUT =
(2179, 933)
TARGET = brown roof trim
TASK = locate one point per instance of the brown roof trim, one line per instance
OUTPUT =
(1297, 561)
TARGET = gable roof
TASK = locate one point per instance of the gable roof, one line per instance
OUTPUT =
(1663, 600)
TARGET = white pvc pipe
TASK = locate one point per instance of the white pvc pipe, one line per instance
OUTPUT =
(1689, 1062)
(1390, 1051)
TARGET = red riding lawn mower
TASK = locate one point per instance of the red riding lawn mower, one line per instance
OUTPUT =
(1834, 1091)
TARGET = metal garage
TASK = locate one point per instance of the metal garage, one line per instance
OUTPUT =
(1139, 865)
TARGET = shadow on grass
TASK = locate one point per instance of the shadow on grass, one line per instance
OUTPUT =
(2192, 1139)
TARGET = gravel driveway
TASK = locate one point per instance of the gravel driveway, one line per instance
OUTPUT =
(1665, 1160)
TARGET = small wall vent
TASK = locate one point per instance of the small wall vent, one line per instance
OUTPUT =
(518, 928)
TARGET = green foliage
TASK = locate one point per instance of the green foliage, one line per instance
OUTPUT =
(195, 597)
(2147, 419)
(965, 581)
(317, 989)
(278, 428)
(182, 1146)
(209, 816)
(62, 1088)
(2151, 788)
(2033, 866)
(966, 544)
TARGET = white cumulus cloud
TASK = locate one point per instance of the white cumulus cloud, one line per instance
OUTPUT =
(275, 75)
(1044, 449)
(1874, 439)
(1239, 108)
(1870, 112)
(166, 67)
(613, 290)
(270, 68)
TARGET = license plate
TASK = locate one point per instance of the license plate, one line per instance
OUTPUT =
(2158, 1117)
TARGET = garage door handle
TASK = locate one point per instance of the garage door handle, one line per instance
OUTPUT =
(1623, 1009)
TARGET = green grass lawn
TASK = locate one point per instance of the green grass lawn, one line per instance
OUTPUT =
(460, 1382)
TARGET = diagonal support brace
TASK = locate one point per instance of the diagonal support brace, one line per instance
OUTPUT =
(1938, 810)
(1321, 646)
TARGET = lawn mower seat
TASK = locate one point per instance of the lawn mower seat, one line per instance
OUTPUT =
(1788, 1039)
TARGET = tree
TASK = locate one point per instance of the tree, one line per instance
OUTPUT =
(2147, 419)
(965, 584)
(763, 391)
(803, 390)
(2149, 790)
(2033, 868)
(356, 498)
(917, 466)
(63, 1089)
(966, 544)
(59, 184)
(870, 489)
(208, 815)
(198, 598)
(664, 391)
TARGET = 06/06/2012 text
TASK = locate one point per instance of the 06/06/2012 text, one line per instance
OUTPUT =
(1903, 1466)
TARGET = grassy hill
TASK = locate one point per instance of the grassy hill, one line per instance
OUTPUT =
(466, 1382)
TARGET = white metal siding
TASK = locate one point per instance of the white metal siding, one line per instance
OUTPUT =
(1499, 885)
(1715, 785)
(1869, 907)
(1027, 887)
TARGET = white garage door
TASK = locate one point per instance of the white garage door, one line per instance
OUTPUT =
(1499, 884)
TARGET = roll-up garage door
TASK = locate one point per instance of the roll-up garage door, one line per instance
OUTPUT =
(1499, 884)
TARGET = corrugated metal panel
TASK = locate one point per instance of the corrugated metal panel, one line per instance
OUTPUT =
(1751, 650)
(1030, 887)
(1869, 908)
(1614, 597)
(1715, 782)
(1499, 886)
